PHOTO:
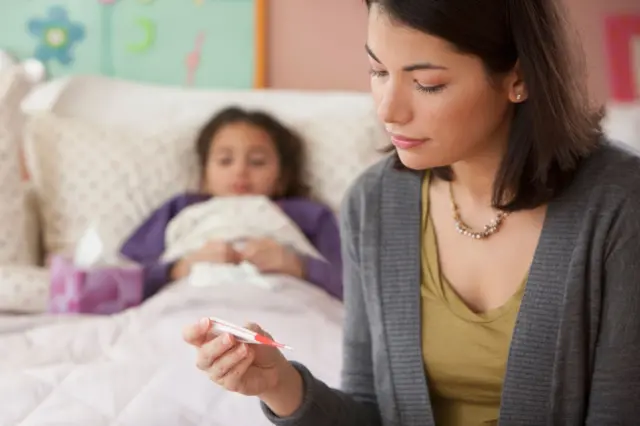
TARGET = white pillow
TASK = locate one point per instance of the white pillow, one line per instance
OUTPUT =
(23, 289)
(339, 146)
(44, 96)
(143, 106)
(341, 128)
(89, 174)
(85, 174)
(16, 217)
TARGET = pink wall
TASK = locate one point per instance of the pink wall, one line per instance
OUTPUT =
(588, 19)
(319, 45)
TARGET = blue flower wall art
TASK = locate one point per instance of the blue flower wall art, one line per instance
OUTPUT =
(57, 36)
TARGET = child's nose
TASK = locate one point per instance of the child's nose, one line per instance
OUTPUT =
(241, 168)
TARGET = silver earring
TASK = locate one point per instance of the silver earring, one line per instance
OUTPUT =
(518, 97)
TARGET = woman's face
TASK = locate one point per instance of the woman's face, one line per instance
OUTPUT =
(242, 161)
(438, 105)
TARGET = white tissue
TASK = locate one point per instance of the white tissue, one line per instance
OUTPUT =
(233, 219)
(204, 274)
(90, 249)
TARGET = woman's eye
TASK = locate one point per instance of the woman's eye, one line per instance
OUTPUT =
(224, 161)
(430, 89)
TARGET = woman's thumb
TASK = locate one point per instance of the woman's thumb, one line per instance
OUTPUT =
(257, 329)
(196, 334)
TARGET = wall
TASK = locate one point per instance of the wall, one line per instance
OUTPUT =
(319, 45)
(167, 42)
(588, 18)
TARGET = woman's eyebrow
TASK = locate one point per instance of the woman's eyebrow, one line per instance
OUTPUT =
(412, 67)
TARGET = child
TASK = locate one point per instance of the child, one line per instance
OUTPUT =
(246, 153)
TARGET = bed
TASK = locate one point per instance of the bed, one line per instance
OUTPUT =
(132, 369)
(106, 152)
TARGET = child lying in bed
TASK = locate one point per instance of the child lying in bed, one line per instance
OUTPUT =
(246, 153)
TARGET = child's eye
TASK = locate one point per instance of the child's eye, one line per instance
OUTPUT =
(225, 161)
(258, 162)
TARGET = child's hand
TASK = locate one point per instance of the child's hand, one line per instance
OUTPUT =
(215, 252)
(270, 256)
(212, 252)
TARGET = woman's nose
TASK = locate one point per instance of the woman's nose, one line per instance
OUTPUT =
(394, 106)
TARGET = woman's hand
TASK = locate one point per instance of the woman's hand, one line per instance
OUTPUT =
(212, 252)
(248, 369)
(272, 257)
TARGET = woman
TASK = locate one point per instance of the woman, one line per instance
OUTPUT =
(492, 264)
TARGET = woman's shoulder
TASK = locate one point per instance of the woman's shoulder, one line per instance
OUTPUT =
(379, 186)
(367, 187)
(605, 193)
(612, 171)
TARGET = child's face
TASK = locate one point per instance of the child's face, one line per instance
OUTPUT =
(242, 161)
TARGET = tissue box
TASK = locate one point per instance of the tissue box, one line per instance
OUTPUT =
(96, 290)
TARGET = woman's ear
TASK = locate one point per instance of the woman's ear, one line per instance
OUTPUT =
(516, 86)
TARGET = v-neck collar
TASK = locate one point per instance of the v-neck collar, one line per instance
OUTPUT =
(529, 375)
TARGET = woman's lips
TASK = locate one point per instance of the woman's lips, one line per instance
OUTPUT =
(403, 142)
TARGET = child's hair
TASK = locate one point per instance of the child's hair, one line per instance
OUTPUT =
(288, 144)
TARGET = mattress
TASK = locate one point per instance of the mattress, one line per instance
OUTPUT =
(133, 369)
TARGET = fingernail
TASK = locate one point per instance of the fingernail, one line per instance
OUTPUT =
(204, 324)
(243, 350)
(227, 339)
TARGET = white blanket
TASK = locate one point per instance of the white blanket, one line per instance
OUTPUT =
(133, 368)
(232, 219)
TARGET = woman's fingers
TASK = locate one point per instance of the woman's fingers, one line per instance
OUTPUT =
(227, 362)
(196, 334)
(210, 352)
(233, 379)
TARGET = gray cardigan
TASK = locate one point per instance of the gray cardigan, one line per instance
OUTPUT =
(575, 353)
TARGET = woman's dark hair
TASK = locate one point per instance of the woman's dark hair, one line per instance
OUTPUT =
(288, 144)
(555, 127)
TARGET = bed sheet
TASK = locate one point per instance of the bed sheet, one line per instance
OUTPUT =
(133, 368)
